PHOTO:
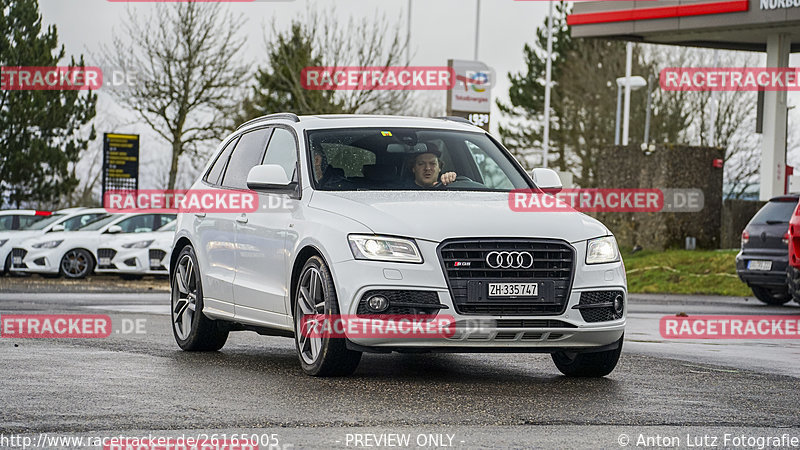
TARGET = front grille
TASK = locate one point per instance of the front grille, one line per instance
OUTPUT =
(468, 275)
(396, 300)
(19, 252)
(156, 256)
(105, 253)
(533, 323)
(603, 314)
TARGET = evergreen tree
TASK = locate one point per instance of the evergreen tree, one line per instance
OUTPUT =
(40, 131)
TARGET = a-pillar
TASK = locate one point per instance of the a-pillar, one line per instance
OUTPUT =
(773, 147)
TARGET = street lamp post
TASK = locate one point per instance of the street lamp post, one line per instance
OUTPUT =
(628, 84)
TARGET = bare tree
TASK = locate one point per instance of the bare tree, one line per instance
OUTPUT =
(319, 39)
(184, 58)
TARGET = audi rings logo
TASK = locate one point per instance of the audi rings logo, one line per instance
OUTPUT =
(509, 260)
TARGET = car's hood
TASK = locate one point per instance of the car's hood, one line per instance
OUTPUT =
(62, 235)
(438, 215)
(20, 235)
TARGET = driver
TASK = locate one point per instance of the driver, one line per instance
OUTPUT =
(426, 169)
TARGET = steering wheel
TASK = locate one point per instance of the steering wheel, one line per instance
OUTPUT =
(460, 181)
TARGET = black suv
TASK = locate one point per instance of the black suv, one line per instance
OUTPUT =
(764, 258)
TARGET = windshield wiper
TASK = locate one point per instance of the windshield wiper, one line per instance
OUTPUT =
(776, 222)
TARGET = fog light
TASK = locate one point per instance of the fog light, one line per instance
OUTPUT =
(619, 304)
(377, 303)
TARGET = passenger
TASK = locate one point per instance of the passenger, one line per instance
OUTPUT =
(327, 176)
(426, 169)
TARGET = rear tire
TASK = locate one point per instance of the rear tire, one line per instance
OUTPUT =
(793, 283)
(322, 356)
(595, 365)
(771, 297)
(193, 331)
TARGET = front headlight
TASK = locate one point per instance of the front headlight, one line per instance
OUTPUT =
(602, 250)
(3, 242)
(384, 248)
(48, 244)
(140, 244)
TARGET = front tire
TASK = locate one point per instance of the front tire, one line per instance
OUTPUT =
(320, 356)
(594, 365)
(774, 298)
(193, 331)
(76, 264)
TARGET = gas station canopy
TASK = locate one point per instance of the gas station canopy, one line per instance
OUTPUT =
(771, 26)
(731, 24)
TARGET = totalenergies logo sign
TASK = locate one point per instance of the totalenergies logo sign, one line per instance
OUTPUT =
(477, 81)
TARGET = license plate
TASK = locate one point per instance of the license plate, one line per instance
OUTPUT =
(759, 265)
(105, 261)
(16, 259)
(513, 289)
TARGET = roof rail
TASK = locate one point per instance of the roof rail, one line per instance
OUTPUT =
(286, 116)
(456, 119)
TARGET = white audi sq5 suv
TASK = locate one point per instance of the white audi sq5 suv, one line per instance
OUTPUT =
(374, 217)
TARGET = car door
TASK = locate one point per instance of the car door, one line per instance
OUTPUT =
(215, 236)
(217, 230)
(262, 263)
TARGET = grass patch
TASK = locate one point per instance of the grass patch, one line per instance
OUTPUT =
(709, 272)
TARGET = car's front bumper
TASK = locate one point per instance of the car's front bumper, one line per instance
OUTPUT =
(38, 260)
(481, 332)
(131, 261)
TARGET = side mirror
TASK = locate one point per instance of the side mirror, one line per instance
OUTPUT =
(114, 229)
(546, 179)
(57, 228)
(267, 176)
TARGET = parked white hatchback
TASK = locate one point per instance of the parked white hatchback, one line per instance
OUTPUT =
(74, 254)
(63, 220)
(132, 256)
(378, 216)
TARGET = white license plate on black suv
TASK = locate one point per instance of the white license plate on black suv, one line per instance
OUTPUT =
(513, 289)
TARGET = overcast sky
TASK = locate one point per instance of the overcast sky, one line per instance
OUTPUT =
(440, 30)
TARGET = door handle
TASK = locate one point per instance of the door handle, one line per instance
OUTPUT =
(242, 219)
(200, 215)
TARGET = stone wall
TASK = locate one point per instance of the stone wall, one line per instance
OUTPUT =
(667, 167)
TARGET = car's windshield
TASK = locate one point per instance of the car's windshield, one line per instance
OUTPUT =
(41, 224)
(406, 158)
(774, 212)
(100, 223)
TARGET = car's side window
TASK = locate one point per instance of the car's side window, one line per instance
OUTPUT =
(6, 223)
(25, 221)
(140, 224)
(215, 173)
(164, 219)
(249, 152)
(76, 222)
(493, 175)
(282, 150)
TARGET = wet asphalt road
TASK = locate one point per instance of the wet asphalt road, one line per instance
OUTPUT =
(142, 384)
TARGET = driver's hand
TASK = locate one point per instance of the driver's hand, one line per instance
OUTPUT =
(448, 178)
